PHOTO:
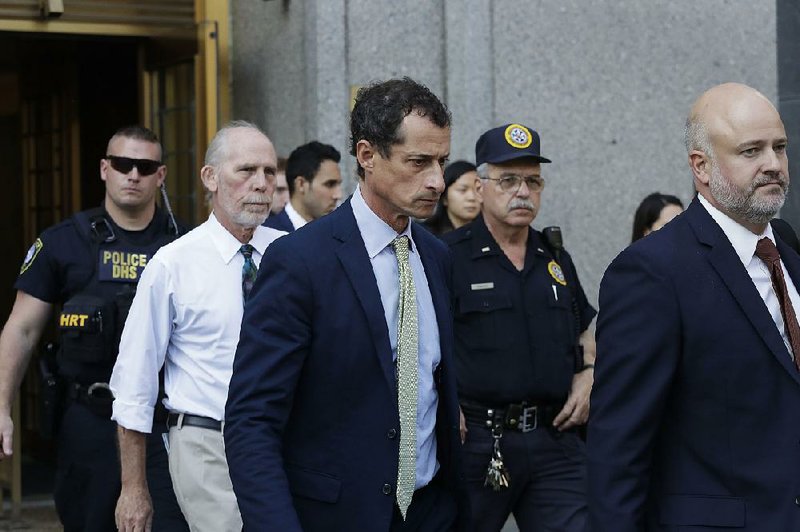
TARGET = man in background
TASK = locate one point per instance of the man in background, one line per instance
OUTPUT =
(524, 349)
(281, 195)
(315, 186)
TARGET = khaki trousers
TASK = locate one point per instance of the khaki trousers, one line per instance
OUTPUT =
(201, 480)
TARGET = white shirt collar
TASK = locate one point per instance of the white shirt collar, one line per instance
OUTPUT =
(376, 233)
(297, 220)
(742, 239)
(228, 246)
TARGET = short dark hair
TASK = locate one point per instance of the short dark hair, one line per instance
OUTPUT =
(305, 161)
(381, 107)
(135, 132)
(648, 212)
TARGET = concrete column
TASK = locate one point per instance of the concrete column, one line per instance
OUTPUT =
(469, 65)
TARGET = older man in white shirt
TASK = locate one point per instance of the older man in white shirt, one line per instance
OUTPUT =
(186, 316)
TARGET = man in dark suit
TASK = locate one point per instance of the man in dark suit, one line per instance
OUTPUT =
(315, 186)
(695, 418)
(330, 424)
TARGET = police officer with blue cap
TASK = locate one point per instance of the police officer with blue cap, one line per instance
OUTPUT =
(89, 264)
(524, 350)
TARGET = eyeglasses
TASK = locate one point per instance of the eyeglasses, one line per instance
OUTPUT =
(512, 182)
(125, 164)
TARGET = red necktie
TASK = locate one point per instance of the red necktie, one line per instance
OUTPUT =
(766, 251)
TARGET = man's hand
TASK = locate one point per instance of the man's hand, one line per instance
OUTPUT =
(6, 435)
(576, 409)
(462, 425)
(20, 335)
(134, 511)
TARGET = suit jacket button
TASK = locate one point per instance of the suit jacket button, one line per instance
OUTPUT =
(392, 434)
(797, 500)
(387, 489)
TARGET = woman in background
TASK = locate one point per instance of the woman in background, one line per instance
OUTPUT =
(459, 203)
(653, 213)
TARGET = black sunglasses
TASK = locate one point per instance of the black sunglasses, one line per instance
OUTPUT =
(125, 164)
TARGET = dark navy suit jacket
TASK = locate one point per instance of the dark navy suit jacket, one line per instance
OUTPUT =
(312, 416)
(695, 421)
(280, 221)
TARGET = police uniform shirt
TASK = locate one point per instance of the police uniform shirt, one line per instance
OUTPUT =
(60, 262)
(186, 316)
(515, 332)
(67, 260)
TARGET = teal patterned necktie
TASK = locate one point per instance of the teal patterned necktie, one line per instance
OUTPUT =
(249, 270)
(407, 368)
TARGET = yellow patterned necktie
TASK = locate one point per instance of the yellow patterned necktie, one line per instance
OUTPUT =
(407, 368)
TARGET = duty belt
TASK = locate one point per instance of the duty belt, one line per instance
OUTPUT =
(522, 417)
(96, 393)
(97, 397)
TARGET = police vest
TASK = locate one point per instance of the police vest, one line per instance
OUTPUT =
(91, 321)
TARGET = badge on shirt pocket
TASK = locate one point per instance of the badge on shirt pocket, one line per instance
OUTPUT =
(557, 273)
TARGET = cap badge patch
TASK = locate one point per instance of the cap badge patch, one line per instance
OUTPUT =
(31, 256)
(518, 136)
(556, 273)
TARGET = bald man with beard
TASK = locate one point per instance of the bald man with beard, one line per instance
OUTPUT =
(695, 421)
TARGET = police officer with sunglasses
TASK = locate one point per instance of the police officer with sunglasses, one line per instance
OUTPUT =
(89, 265)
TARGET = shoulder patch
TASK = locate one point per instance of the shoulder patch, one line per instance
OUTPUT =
(556, 273)
(33, 252)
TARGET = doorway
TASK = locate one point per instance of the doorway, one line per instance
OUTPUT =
(64, 96)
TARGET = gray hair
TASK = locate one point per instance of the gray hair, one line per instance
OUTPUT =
(483, 171)
(696, 137)
(215, 153)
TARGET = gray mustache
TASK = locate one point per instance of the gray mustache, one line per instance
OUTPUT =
(521, 204)
(766, 179)
(257, 199)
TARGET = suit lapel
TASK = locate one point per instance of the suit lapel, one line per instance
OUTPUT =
(288, 226)
(724, 260)
(352, 254)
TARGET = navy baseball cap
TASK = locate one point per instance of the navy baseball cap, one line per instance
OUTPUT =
(506, 143)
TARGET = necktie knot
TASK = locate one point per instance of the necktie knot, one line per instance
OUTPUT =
(766, 251)
(401, 245)
(247, 251)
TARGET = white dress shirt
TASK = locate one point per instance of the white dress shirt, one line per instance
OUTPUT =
(744, 243)
(378, 237)
(294, 216)
(186, 315)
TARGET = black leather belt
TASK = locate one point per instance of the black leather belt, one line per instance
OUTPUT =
(523, 417)
(193, 421)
